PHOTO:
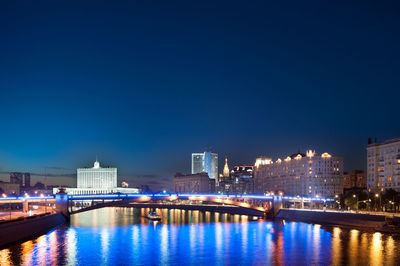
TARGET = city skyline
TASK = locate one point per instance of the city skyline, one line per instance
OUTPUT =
(241, 80)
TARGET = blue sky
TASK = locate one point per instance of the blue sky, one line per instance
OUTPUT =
(142, 84)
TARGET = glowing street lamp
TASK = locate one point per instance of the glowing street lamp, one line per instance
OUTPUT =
(380, 200)
(355, 196)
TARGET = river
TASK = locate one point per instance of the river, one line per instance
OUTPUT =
(121, 236)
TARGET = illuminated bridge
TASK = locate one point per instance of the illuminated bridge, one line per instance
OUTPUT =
(254, 205)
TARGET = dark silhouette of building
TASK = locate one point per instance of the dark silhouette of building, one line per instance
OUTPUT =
(16, 178)
(27, 180)
(195, 183)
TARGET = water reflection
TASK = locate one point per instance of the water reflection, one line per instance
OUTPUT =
(113, 236)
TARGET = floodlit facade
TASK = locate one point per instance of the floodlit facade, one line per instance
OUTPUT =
(97, 177)
(97, 180)
(205, 162)
(306, 175)
(383, 165)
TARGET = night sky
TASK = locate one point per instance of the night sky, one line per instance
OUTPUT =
(143, 84)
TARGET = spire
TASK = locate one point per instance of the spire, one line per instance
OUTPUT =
(226, 169)
(96, 163)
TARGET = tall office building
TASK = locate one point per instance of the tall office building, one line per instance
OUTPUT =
(16, 178)
(383, 165)
(307, 175)
(27, 180)
(97, 177)
(205, 162)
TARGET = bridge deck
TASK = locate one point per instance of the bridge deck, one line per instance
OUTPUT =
(202, 207)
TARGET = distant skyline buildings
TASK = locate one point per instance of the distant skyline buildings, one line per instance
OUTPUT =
(23, 179)
(205, 162)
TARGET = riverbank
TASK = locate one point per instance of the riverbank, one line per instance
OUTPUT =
(23, 229)
(357, 220)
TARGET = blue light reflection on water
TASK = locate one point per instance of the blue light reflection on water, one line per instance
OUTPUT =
(121, 237)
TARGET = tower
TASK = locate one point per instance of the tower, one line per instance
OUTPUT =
(226, 169)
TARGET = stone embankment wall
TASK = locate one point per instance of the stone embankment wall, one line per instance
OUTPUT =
(333, 218)
(20, 230)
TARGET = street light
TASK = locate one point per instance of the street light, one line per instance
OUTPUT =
(355, 196)
(380, 200)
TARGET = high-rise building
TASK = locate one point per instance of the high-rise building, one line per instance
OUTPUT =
(27, 180)
(306, 175)
(383, 165)
(16, 178)
(205, 162)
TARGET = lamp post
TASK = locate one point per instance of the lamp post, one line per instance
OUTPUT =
(380, 201)
(355, 196)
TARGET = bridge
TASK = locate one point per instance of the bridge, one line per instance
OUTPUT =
(253, 205)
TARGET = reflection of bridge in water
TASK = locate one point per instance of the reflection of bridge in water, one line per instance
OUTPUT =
(232, 204)
(253, 205)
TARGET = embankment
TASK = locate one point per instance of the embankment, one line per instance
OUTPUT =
(368, 221)
(24, 229)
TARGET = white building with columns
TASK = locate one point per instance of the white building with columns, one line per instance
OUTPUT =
(97, 180)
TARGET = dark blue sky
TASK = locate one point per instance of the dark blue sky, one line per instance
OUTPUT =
(142, 84)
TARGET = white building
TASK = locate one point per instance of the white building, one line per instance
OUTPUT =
(306, 175)
(97, 180)
(383, 165)
(205, 162)
(97, 177)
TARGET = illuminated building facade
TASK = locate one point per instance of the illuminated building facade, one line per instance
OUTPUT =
(97, 180)
(383, 165)
(205, 162)
(239, 181)
(97, 177)
(306, 175)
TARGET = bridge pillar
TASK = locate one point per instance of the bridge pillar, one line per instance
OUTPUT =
(276, 205)
(25, 207)
(62, 203)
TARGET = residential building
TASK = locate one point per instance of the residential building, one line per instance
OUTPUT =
(205, 162)
(355, 179)
(383, 165)
(307, 175)
(194, 183)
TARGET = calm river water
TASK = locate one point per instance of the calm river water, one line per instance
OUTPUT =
(121, 236)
